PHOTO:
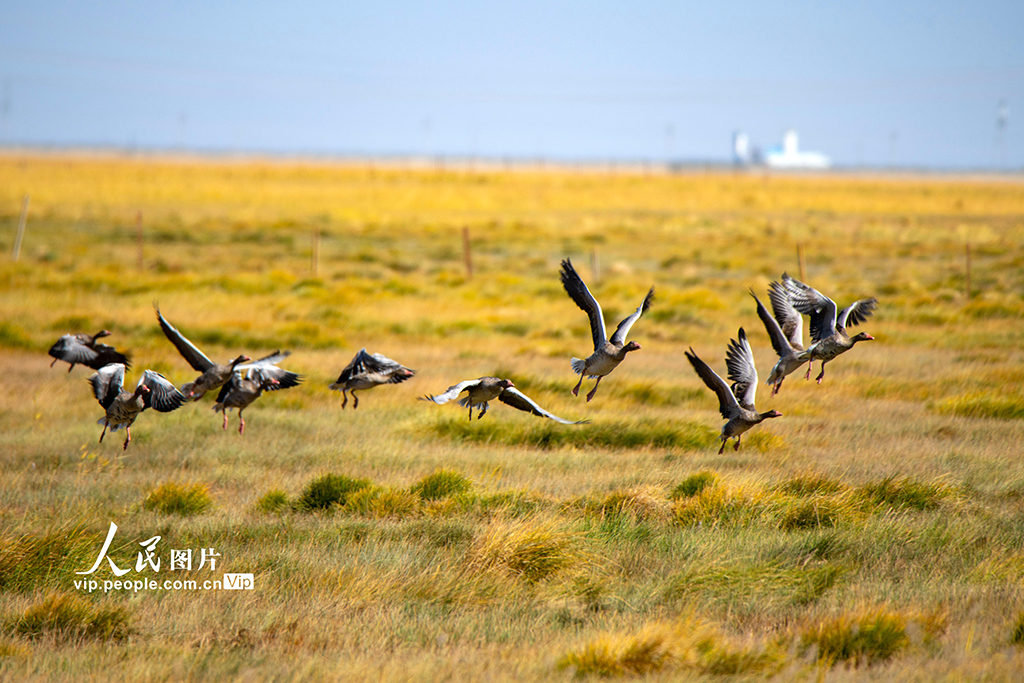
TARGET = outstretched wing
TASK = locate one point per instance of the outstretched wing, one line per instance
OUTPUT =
(779, 341)
(451, 393)
(70, 350)
(196, 358)
(790, 320)
(163, 396)
(266, 368)
(577, 290)
(810, 301)
(739, 359)
(727, 404)
(520, 401)
(857, 312)
(107, 383)
(619, 337)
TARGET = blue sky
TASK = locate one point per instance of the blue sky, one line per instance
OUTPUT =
(877, 83)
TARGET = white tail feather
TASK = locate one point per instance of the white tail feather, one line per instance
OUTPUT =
(578, 365)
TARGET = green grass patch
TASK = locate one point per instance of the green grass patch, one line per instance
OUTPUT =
(858, 639)
(273, 501)
(30, 561)
(172, 498)
(329, 490)
(66, 616)
(654, 433)
(441, 484)
(983, 405)
(693, 485)
(903, 493)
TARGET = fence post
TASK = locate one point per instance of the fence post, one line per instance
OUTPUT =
(800, 261)
(467, 253)
(21, 228)
(315, 258)
(595, 266)
(139, 241)
(968, 273)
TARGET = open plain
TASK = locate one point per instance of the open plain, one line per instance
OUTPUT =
(874, 532)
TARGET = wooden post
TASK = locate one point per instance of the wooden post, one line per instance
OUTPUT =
(800, 261)
(467, 253)
(595, 267)
(21, 228)
(968, 273)
(139, 241)
(315, 259)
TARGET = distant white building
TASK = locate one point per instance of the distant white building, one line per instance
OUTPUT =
(789, 155)
(741, 154)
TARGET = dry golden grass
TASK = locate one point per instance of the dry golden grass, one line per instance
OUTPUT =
(401, 541)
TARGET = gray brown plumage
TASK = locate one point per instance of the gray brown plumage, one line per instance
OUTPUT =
(608, 353)
(736, 404)
(213, 376)
(367, 371)
(828, 327)
(480, 391)
(83, 349)
(123, 407)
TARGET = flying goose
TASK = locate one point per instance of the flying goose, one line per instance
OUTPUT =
(153, 391)
(608, 353)
(480, 391)
(828, 329)
(214, 375)
(736, 404)
(786, 331)
(367, 371)
(249, 381)
(83, 349)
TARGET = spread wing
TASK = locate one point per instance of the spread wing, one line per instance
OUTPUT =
(266, 368)
(452, 392)
(365, 364)
(71, 350)
(810, 301)
(727, 404)
(779, 341)
(196, 358)
(163, 396)
(857, 312)
(520, 401)
(619, 337)
(790, 320)
(579, 293)
(739, 359)
(107, 383)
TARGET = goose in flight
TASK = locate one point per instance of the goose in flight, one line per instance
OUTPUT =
(828, 328)
(83, 349)
(122, 407)
(367, 371)
(735, 404)
(213, 374)
(480, 391)
(608, 353)
(786, 331)
(249, 381)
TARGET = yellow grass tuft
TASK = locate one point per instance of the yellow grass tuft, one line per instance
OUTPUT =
(858, 638)
(529, 549)
(172, 498)
(69, 617)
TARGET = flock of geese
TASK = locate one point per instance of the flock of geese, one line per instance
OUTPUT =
(242, 380)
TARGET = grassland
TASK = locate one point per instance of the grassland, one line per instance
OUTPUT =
(875, 532)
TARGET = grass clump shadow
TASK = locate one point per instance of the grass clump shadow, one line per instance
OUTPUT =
(441, 484)
(69, 617)
(172, 498)
(329, 490)
(1017, 635)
